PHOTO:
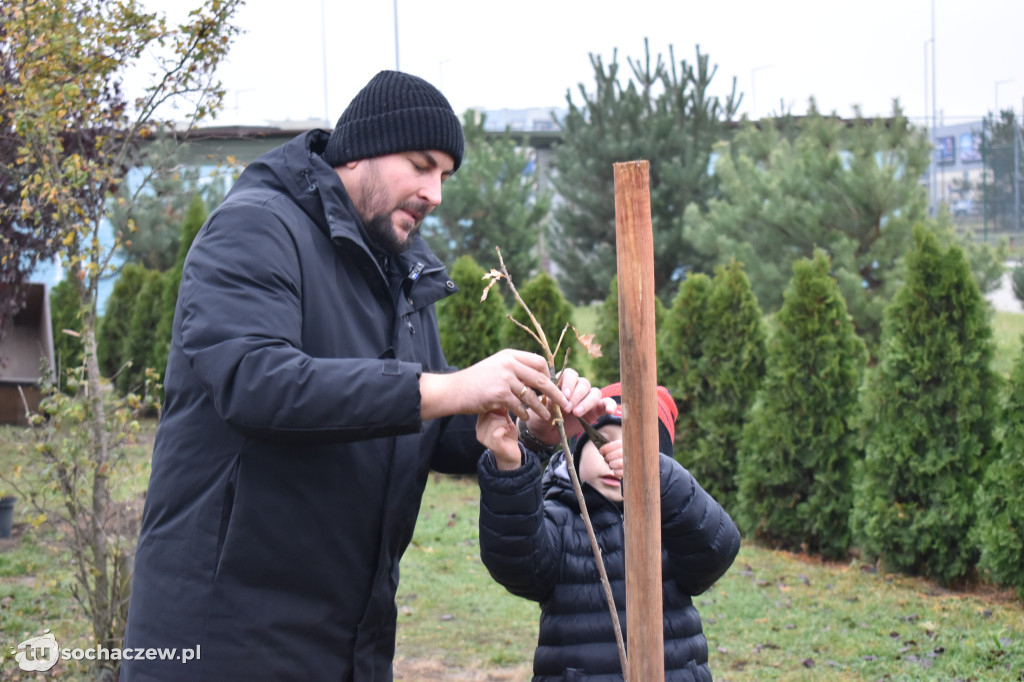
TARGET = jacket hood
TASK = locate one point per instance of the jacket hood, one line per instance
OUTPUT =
(297, 169)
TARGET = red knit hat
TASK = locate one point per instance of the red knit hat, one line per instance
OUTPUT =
(667, 413)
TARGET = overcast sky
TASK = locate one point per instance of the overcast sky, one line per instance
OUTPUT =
(529, 53)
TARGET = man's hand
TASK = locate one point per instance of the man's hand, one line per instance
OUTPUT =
(586, 402)
(511, 380)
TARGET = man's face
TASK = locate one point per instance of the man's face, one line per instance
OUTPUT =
(394, 193)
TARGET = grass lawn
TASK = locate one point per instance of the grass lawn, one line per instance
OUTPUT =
(1007, 329)
(774, 616)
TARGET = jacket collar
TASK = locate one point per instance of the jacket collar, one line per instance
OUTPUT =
(343, 223)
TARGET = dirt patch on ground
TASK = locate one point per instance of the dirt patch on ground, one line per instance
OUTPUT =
(416, 669)
(9, 543)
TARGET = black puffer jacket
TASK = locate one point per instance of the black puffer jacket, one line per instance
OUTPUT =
(291, 459)
(538, 548)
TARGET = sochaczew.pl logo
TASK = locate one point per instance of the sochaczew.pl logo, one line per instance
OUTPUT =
(38, 654)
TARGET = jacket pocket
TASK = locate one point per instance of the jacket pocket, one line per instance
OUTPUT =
(225, 513)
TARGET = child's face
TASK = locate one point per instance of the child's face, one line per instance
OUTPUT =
(595, 470)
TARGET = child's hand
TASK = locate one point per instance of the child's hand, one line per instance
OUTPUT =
(496, 431)
(613, 455)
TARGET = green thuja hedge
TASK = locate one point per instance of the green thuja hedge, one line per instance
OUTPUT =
(928, 416)
(112, 332)
(605, 369)
(138, 345)
(733, 361)
(999, 530)
(800, 444)
(471, 329)
(550, 308)
(681, 356)
(1017, 282)
(66, 314)
(195, 216)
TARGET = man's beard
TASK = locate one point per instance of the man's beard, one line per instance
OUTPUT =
(379, 225)
(383, 234)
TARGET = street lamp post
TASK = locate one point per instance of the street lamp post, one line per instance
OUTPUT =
(323, 53)
(395, 4)
(935, 122)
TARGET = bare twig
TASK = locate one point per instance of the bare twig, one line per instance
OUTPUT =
(574, 477)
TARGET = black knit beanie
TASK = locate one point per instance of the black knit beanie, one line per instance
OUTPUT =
(395, 113)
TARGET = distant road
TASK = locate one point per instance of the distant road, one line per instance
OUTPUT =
(1002, 298)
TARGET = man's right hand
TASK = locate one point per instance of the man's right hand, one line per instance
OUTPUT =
(508, 380)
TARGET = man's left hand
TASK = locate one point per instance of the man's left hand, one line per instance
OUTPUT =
(586, 402)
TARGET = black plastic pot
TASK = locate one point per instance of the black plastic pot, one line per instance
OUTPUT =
(6, 515)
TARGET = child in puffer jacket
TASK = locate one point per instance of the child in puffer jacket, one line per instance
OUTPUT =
(534, 542)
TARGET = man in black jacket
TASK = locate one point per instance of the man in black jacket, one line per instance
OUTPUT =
(307, 400)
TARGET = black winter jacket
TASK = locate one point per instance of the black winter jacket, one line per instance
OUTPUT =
(290, 460)
(536, 545)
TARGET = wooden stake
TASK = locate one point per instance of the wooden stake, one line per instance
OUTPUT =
(638, 369)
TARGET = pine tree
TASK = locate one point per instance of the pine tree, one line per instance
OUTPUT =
(542, 295)
(471, 329)
(849, 187)
(663, 113)
(734, 352)
(800, 444)
(999, 530)
(681, 355)
(148, 223)
(999, 139)
(928, 415)
(493, 200)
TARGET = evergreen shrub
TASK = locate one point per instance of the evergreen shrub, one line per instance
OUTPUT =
(800, 441)
(195, 216)
(112, 332)
(605, 369)
(552, 311)
(1017, 282)
(138, 346)
(471, 329)
(733, 361)
(681, 355)
(999, 530)
(66, 314)
(928, 417)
